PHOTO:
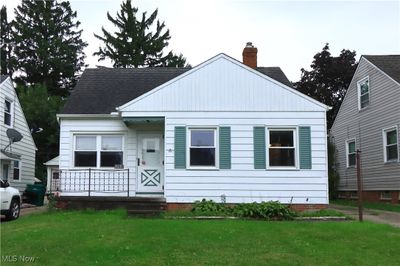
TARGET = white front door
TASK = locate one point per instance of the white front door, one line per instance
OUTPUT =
(150, 163)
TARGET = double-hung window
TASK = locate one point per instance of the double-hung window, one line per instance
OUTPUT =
(363, 93)
(8, 112)
(282, 148)
(85, 151)
(111, 151)
(98, 151)
(391, 144)
(351, 153)
(202, 147)
(17, 170)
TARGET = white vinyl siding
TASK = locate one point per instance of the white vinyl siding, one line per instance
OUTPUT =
(390, 144)
(242, 183)
(26, 147)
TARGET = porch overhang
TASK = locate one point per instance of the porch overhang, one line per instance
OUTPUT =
(10, 156)
(142, 120)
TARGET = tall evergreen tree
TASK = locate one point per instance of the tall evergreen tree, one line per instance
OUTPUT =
(329, 79)
(134, 44)
(47, 45)
(5, 42)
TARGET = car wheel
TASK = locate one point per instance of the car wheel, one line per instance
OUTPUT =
(13, 212)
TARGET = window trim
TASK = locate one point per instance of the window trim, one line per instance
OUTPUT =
(359, 92)
(11, 113)
(384, 131)
(98, 149)
(188, 146)
(347, 152)
(295, 131)
(20, 172)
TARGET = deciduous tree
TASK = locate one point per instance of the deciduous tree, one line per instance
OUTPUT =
(328, 79)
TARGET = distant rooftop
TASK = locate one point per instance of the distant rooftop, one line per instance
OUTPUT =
(390, 64)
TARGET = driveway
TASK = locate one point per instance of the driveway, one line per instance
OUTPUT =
(376, 216)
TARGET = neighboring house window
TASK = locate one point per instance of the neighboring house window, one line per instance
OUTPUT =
(390, 142)
(351, 152)
(202, 147)
(98, 151)
(386, 195)
(8, 112)
(17, 170)
(363, 93)
(282, 148)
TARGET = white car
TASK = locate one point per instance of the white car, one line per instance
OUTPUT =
(10, 201)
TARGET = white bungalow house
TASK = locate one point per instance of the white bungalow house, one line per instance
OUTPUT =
(17, 161)
(223, 130)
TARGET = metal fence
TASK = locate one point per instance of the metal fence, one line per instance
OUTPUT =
(92, 181)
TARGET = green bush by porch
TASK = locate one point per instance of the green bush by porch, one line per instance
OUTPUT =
(110, 238)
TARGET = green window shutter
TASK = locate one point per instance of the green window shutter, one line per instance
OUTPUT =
(259, 147)
(225, 148)
(305, 147)
(180, 147)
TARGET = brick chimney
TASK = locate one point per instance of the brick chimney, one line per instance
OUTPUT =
(250, 55)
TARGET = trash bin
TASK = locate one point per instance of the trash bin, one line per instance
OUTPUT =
(35, 194)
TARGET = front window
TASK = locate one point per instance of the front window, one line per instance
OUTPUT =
(111, 151)
(282, 149)
(351, 153)
(85, 151)
(98, 151)
(8, 108)
(363, 92)
(391, 144)
(202, 148)
(16, 170)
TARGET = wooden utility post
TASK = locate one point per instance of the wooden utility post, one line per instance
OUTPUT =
(359, 187)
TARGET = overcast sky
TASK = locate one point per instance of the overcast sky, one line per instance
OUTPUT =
(287, 33)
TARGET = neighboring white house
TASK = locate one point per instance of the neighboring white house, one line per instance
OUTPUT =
(17, 161)
(53, 175)
(221, 130)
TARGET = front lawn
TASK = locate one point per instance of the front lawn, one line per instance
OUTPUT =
(369, 205)
(111, 238)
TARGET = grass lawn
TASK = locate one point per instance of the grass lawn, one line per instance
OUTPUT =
(370, 205)
(112, 238)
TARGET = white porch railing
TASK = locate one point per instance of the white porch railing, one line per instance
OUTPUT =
(91, 181)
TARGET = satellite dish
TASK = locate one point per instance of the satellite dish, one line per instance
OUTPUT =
(14, 135)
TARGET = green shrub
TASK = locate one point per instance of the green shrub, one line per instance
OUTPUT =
(209, 207)
(271, 210)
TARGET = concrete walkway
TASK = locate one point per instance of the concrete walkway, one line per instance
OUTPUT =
(25, 210)
(376, 216)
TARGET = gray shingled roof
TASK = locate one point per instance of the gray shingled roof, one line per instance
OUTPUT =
(3, 78)
(390, 64)
(101, 90)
